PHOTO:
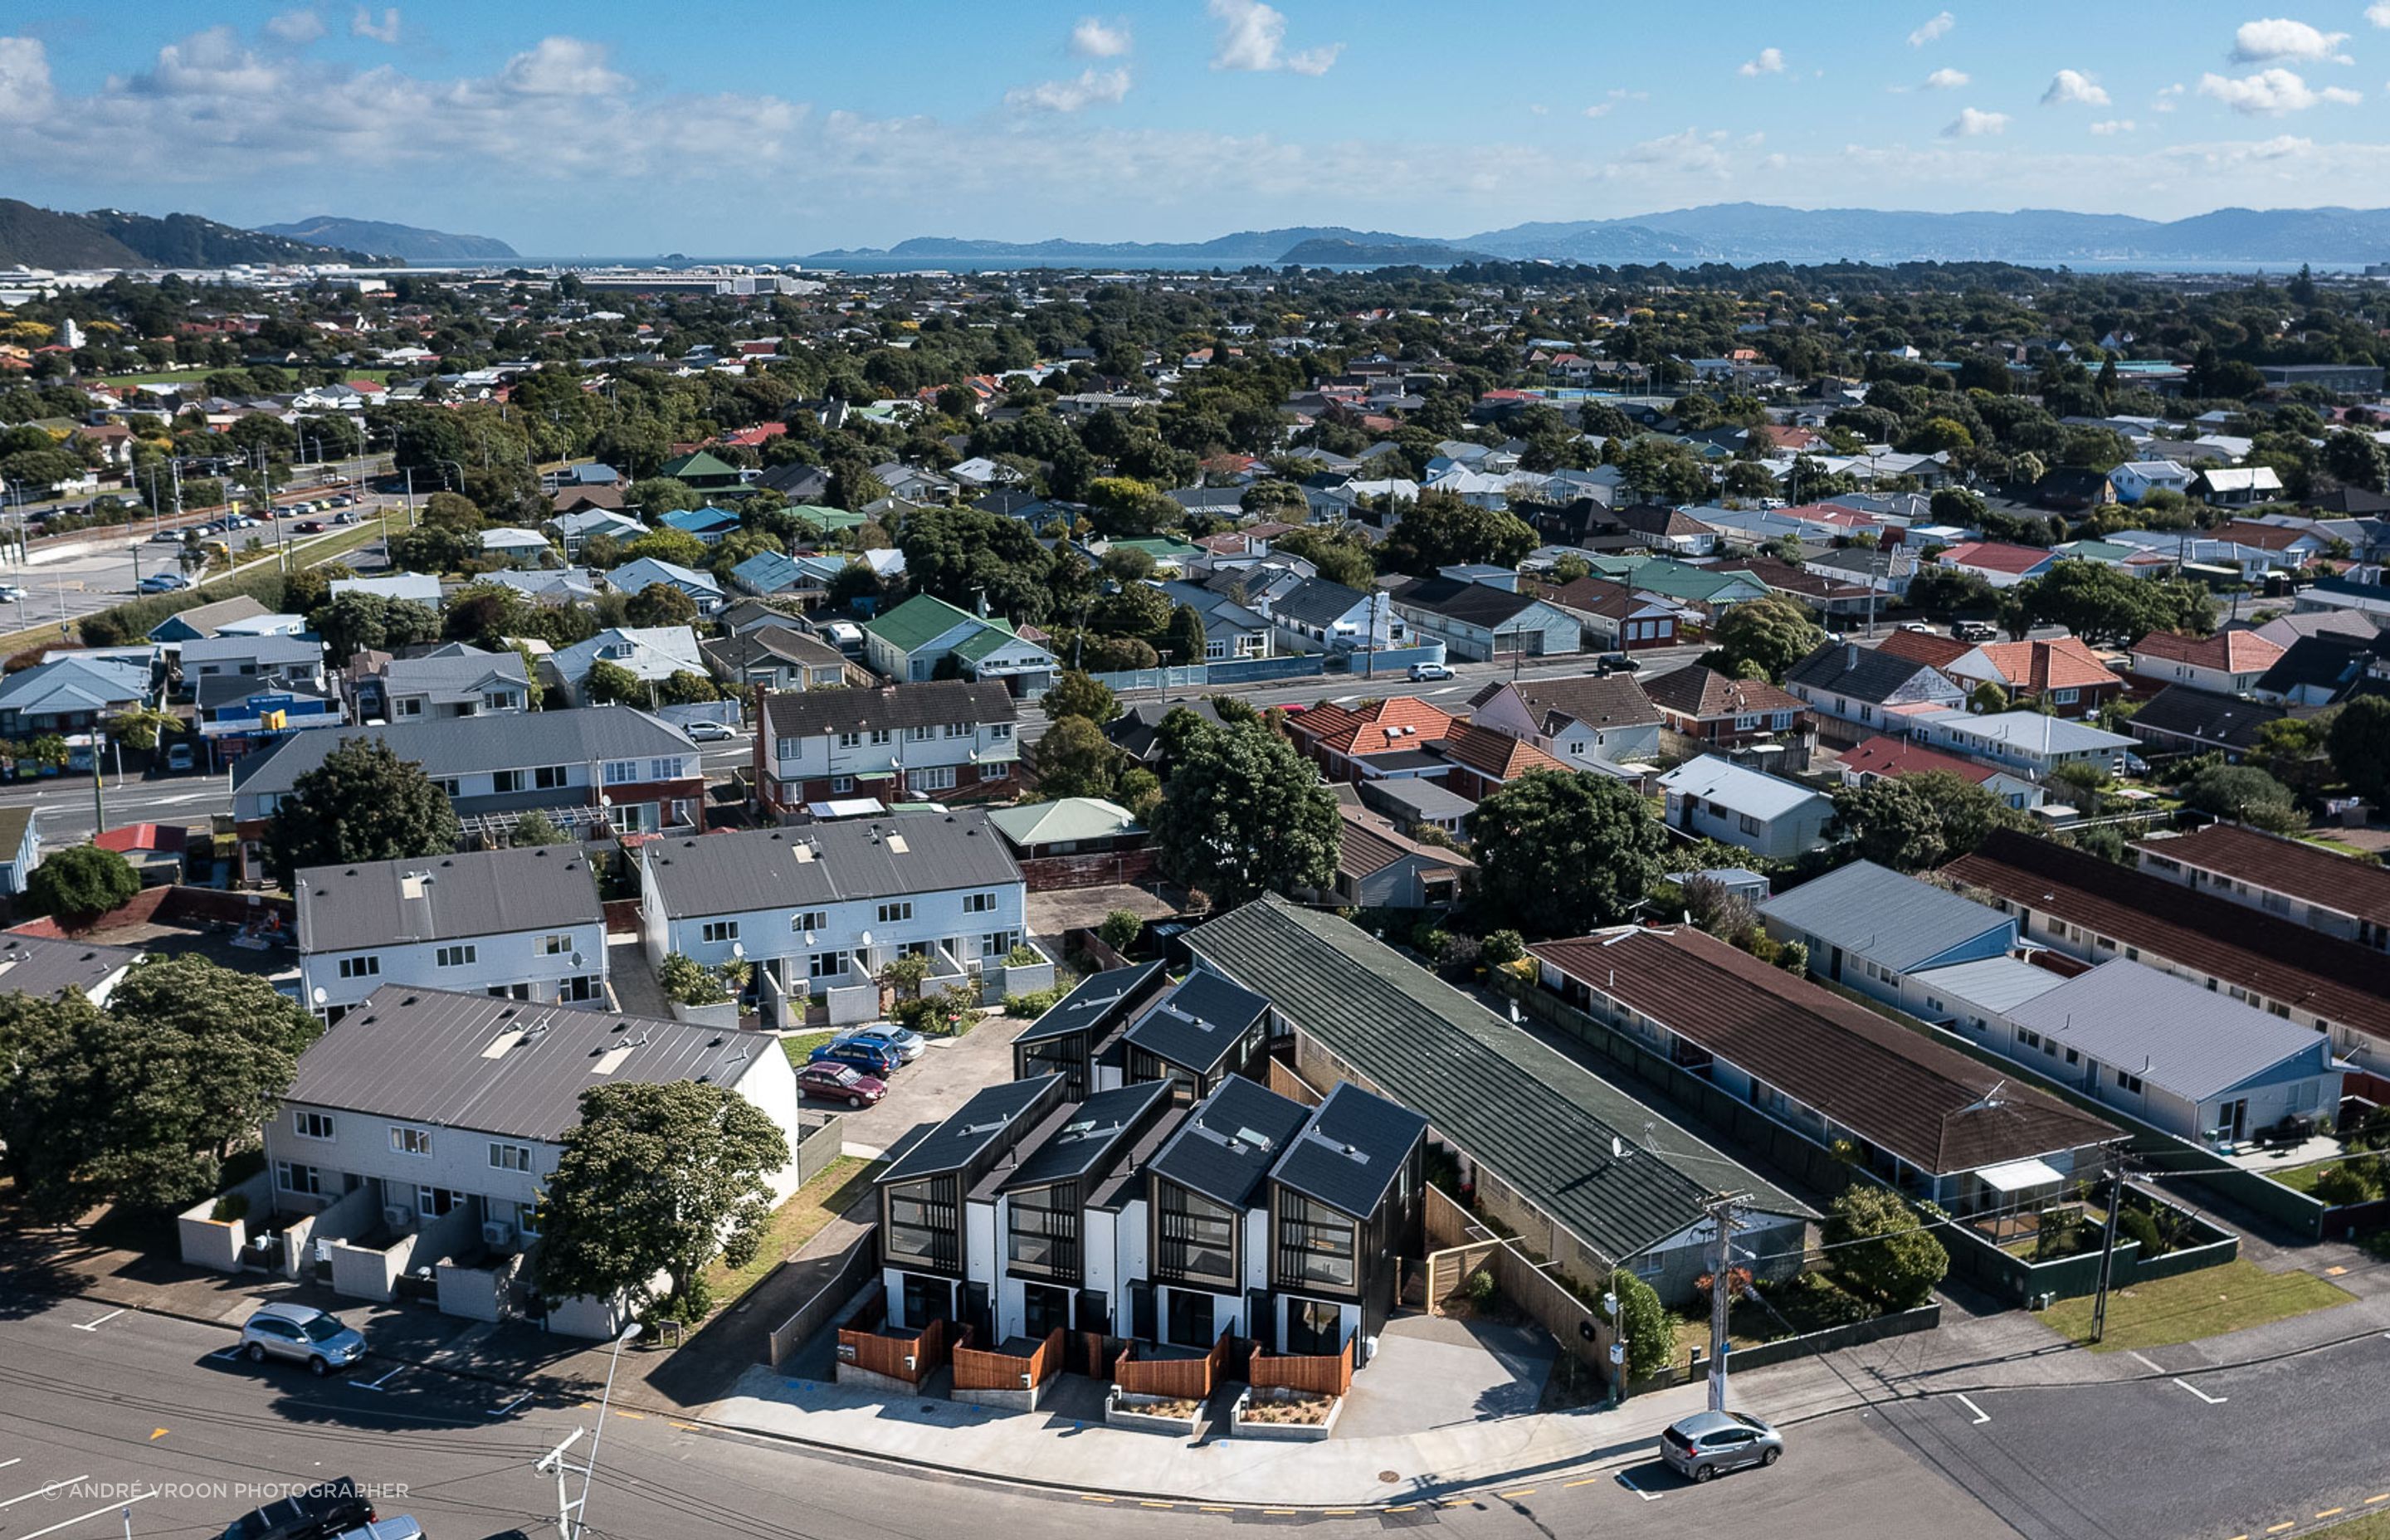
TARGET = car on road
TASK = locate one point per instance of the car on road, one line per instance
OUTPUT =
(870, 1057)
(904, 1043)
(167, 537)
(11, 594)
(242, 521)
(162, 583)
(180, 756)
(302, 1332)
(320, 1512)
(841, 1082)
(1430, 671)
(1617, 663)
(345, 500)
(709, 732)
(1977, 631)
(345, 516)
(1706, 1442)
(308, 526)
(399, 1527)
(1920, 627)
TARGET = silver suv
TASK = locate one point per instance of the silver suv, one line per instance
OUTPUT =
(302, 1332)
(1706, 1442)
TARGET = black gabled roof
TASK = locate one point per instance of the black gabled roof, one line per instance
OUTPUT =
(1470, 603)
(1198, 1022)
(1092, 1004)
(999, 1116)
(1861, 672)
(1230, 1140)
(1090, 1134)
(2204, 716)
(1347, 1156)
(2331, 660)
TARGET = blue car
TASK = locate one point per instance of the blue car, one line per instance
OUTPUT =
(905, 1044)
(868, 1057)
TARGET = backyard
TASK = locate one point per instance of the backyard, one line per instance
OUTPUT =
(806, 1213)
(2194, 1305)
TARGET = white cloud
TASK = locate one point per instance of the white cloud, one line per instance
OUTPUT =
(384, 30)
(1253, 37)
(1093, 88)
(25, 91)
(2113, 125)
(1973, 125)
(1096, 38)
(2379, 13)
(1769, 62)
(2279, 37)
(1609, 104)
(563, 67)
(2165, 98)
(1936, 27)
(1688, 152)
(2272, 93)
(299, 26)
(1601, 109)
(1950, 79)
(2074, 86)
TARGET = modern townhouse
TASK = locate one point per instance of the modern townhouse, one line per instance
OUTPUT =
(1080, 1037)
(819, 909)
(1924, 1117)
(522, 923)
(649, 654)
(606, 764)
(452, 680)
(1198, 1031)
(1602, 723)
(1717, 799)
(943, 740)
(1479, 622)
(422, 1128)
(1868, 690)
(2343, 896)
(2231, 662)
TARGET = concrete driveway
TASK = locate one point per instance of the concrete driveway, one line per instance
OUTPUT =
(927, 1091)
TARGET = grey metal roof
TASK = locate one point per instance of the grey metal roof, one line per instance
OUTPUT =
(1541, 1122)
(995, 1116)
(2192, 1042)
(933, 703)
(453, 675)
(440, 898)
(1875, 912)
(38, 967)
(1860, 673)
(271, 651)
(826, 863)
(1198, 1022)
(497, 1066)
(1349, 1154)
(1423, 799)
(1991, 985)
(1095, 1002)
(1230, 1141)
(1316, 601)
(1085, 1135)
(469, 745)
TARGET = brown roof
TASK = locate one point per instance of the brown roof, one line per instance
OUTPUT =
(1592, 595)
(1371, 845)
(1493, 753)
(1898, 1089)
(2345, 883)
(1598, 701)
(2064, 664)
(1800, 580)
(2337, 980)
(1886, 756)
(2228, 651)
(1926, 647)
(1701, 693)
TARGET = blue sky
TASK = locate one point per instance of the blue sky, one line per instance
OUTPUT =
(607, 127)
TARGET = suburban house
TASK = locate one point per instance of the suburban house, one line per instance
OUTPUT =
(1869, 927)
(1919, 1115)
(1870, 688)
(1884, 757)
(2153, 1046)
(242, 713)
(824, 908)
(576, 527)
(1317, 615)
(944, 739)
(908, 643)
(2137, 479)
(1411, 802)
(1387, 738)
(413, 588)
(1484, 760)
(424, 1125)
(649, 654)
(1578, 1169)
(70, 694)
(524, 923)
(517, 546)
(607, 764)
(223, 657)
(2237, 486)
(2001, 566)
(2026, 741)
(452, 680)
(1479, 622)
(634, 578)
(779, 658)
(1230, 630)
(709, 525)
(702, 471)
(203, 620)
(20, 848)
(1603, 723)
(1717, 799)
(2340, 896)
(1616, 616)
(2180, 720)
(39, 967)
(1723, 713)
(1379, 867)
(2079, 904)
(2231, 662)
(2065, 673)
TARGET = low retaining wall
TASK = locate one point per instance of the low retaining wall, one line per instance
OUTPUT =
(1189, 1378)
(1241, 1424)
(1130, 1409)
(1001, 1380)
(857, 1266)
(1925, 1318)
(222, 1245)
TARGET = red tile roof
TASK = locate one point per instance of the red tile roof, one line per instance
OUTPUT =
(2064, 664)
(2226, 651)
(1893, 757)
(1924, 646)
(1494, 753)
(1376, 730)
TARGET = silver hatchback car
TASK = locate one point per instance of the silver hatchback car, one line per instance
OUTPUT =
(302, 1332)
(1706, 1442)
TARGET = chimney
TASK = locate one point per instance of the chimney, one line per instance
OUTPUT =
(1850, 656)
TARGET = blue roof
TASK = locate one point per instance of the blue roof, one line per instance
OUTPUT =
(634, 576)
(704, 520)
(1875, 911)
(767, 572)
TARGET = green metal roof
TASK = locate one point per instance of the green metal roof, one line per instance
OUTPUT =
(701, 463)
(918, 622)
(1070, 818)
(825, 519)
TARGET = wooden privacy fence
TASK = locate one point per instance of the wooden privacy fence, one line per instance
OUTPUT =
(912, 1359)
(976, 1369)
(1321, 1373)
(1464, 1246)
(1190, 1379)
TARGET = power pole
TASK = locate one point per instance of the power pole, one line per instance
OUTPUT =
(2108, 1247)
(1721, 1211)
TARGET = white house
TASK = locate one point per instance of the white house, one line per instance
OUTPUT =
(941, 738)
(2137, 479)
(1591, 722)
(2024, 740)
(1766, 814)
(649, 654)
(2231, 662)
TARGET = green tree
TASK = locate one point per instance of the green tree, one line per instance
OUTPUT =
(1762, 637)
(361, 803)
(356, 622)
(659, 495)
(1076, 694)
(141, 726)
(536, 827)
(1245, 814)
(1120, 930)
(1338, 558)
(661, 604)
(1879, 1247)
(80, 883)
(2359, 746)
(1075, 759)
(454, 512)
(1442, 530)
(2245, 794)
(1561, 853)
(609, 684)
(962, 554)
(1643, 1324)
(677, 546)
(658, 1178)
(1911, 823)
(2101, 604)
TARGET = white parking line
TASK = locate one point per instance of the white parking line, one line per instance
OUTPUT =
(376, 1384)
(1627, 1481)
(2147, 1363)
(1982, 1415)
(44, 1491)
(93, 1514)
(2211, 1400)
(501, 1411)
(95, 1325)
(232, 1352)
(6, 1464)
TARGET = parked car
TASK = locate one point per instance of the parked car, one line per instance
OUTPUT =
(11, 594)
(1617, 663)
(344, 516)
(1977, 631)
(308, 526)
(180, 756)
(302, 1332)
(833, 1081)
(904, 1042)
(1430, 671)
(167, 537)
(321, 1513)
(709, 732)
(240, 521)
(870, 1057)
(162, 583)
(1918, 626)
(400, 1527)
(1706, 1442)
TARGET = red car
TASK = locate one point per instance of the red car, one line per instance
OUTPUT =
(308, 526)
(830, 1081)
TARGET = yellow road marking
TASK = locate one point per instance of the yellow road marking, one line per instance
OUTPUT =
(636, 1416)
(155, 1434)
(1587, 1480)
(1405, 1509)
(2379, 1497)
(688, 1427)
(1522, 1491)
(2330, 1511)
(1157, 1505)
(1215, 1511)
(1277, 1511)
(1460, 1502)
(1340, 1512)
(1091, 1498)
(2240, 1537)
(2277, 1528)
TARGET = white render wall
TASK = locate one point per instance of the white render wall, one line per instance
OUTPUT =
(815, 758)
(938, 918)
(502, 960)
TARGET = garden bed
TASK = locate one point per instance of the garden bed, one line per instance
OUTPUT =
(1154, 1414)
(1275, 1412)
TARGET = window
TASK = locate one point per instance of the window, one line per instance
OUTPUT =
(1748, 824)
(958, 730)
(291, 1177)
(511, 1157)
(998, 945)
(850, 740)
(936, 777)
(881, 737)
(784, 748)
(457, 956)
(979, 903)
(435, 1202)
(622, 772)
(312, 1125)
(555, 946)
(449, 786)
(1198, 1238)
(1314, 1244)
(410, 1141)
(922, 1223)
(1043, 1225)
(890, 913)
(920, 735)
(2065, 698)
(999, 732)
(840, 785)
(507, 780)
(547, 778)
(663, 769)
(2030, 1039)
(1000, 771)
(361, 968)
(825, 965)
(2131, 1084)
(411, 706)
(811, 919)
(720, 929)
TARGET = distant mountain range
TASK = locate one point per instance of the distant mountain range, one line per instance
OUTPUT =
(407, 241)
(1742, 233)
(111, 238)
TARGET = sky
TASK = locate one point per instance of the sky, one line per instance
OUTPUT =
(619, 128)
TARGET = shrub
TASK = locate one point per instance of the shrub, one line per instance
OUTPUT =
(1881, 1248)
(1643, 1325)
(1120, 930)
(2349, 1182)
(1034, 1004)
(231, 1206)
(1479, 1289)
(690, 983)
(1501, 948)
(1024, 956)
(81, 883)
(2138, 1225)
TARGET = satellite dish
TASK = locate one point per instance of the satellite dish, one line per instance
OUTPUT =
(320, 997)
(1617, 1147)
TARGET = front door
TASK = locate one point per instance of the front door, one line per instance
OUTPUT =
(2233, 1120)
(926, 1300)
(1190, 1318)
(1835, 973)
(1044, 1308)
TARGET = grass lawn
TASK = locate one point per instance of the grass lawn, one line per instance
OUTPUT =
(2207, 1303)
(800, 1046)
(2365, 1526)
(794, 1223)
(2302, 1178)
